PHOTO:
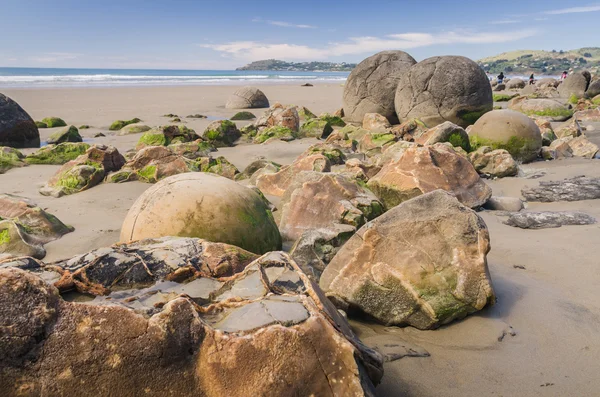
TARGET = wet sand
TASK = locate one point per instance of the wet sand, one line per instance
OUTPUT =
(546, 281)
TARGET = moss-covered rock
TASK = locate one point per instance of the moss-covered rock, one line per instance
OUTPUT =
(192, 150)
(41, 124)
(52, 122)
(305, 114)
(332, 152)
(508, 130)
(117, 125)
(10, 158)
(277, 132)
(57, 154)
(67, 134)
(503, 97)
(167, 135)
(84, 127)
(334, 121)
(221, 133)
(243, 116)
(135, 128)
(220, 166)
(315, 128)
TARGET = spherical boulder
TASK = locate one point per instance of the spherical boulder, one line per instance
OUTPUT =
(575, 84)
(515, 84)
(509, 130)
(17, 128)
(445, 88)
(371, 86)
(206, 206)
(247, 98)
(593, 89)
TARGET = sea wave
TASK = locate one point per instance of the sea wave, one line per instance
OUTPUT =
(122, 79)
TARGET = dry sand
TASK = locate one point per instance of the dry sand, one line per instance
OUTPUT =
(547, 281)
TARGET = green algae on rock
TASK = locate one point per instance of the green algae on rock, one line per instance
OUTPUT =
(276, 132)
(315, 128)
(238, 215)
(117, 125)
(10, 158)
(441, 276)
(508, 130)
(57, 154)
(67, 134)
(52, 122)
(243, 116)
(221, 133)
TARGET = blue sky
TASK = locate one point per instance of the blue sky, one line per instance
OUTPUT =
(186, 34)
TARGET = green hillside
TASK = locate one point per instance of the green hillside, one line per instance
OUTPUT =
(543, 62)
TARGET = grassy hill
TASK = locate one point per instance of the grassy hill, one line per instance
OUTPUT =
(543, 62)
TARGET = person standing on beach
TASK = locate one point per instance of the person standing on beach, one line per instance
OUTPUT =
(500, 77)
(564, 75)
(531, 79)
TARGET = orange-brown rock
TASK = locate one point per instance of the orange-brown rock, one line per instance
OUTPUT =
(317, 200)
(423, 263)
(420, 170)
(275, 184)
(375, 121)
(266, 331)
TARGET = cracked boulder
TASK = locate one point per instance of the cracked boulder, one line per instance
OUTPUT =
(548, 219)
(247, 98)
(209, 336)
(206, 206)
(276, 183)
(166, 135)
(422, 263)
(420, 170)
(316, 200)
(17, 128)
(371, 86)
(445, 88)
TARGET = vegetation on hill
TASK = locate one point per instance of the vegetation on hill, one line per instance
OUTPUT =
(543, 62)
(274, 64)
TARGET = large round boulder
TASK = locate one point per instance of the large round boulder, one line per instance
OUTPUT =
(446, 88)
(575, 84)
(371, 86)
(515, 84)
(206, 206)
(17, 128)
(247, 98)
(509, 130)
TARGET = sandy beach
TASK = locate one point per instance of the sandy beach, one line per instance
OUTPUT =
(541, 338)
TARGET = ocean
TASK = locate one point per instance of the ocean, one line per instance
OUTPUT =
(48, 77)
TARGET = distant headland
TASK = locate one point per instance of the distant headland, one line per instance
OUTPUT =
(277, 65)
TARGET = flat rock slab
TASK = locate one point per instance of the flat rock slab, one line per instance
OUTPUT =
(393, 349)
(548, 219)
(570, 189)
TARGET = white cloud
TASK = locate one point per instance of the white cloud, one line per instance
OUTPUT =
(540, 19)
(504, 22)
(284, 24)
(573, 10)
(51, 57)
(252, 50)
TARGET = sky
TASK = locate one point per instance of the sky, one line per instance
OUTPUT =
(221, 34)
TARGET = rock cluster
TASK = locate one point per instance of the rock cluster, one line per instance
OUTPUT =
(208, 333)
